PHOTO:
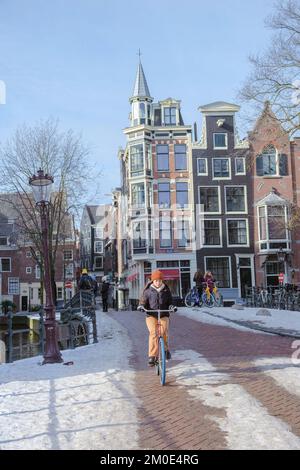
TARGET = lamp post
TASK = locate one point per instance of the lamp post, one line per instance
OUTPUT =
(41, 186)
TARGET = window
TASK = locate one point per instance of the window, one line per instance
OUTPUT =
(59, 293)
(37, 272)
(138, 195)
(209, 199)
(220, 269)
(28, 270)
(182, 195)
(3, 241)
(165, 233)
(142, 113)
(5, 265)
(235, 198)
(162, 155)
(68, 255)
(273, 269)
(220, 141)
(28, 254)
(211, 233)
(170, 116)
(99, 232)
(240, 166)
(13, 286)
(98, 262)
(164, 195)
(237, 232)
(180, 157)
(137, 160)
(262, 223)
(276, 223)
(98, 247)
(69, 271)
(183, 232)
(202, 166)
(221, 168)
(139, 235)
(270, 163)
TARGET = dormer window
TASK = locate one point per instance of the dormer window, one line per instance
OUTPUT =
(170, 116)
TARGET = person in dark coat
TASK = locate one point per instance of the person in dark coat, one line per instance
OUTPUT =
(85, 281)
(198, 280)
(156, 295)
(104, 293)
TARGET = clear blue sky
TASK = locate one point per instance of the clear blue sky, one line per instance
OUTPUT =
(76, 60)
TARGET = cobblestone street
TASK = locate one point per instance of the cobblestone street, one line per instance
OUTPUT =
(173, 417)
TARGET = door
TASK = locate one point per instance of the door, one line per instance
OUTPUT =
(245, 274)
(24, 303)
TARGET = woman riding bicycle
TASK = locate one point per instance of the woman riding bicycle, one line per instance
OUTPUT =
(156, 296)
(198, 280)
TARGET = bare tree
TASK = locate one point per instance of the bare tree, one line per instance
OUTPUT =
(61, 154)
(275, 75)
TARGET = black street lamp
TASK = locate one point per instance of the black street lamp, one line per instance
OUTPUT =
(41, 186)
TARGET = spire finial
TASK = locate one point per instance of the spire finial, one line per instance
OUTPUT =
(139, 54)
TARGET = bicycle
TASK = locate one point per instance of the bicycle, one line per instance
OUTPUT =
(160, 363)
(210, 299)
(193, 298)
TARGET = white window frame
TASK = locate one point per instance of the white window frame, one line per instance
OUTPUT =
(216, 178)
(226, 139)
(99, 230)
(245, 197)
(28, 269)
(28, 254)
(95, 243)
(247, 245)
(202, 232)
(10, 279)
(131, 194)
(206, 166)
(60, 293)
(37, 272)
(219, 200)
(7, 241)
(235, 163)
(268, 241)
(230, 268)
(5, 257)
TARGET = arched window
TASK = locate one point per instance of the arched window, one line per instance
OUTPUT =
(267, 162)
(142, 113)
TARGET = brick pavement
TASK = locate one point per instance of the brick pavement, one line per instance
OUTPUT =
(169, 417)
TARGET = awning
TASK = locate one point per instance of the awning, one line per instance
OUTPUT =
(132, 277)
(169, 274)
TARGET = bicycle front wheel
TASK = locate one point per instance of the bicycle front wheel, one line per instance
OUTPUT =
(189, 300)
(208, 300)
(162, 361)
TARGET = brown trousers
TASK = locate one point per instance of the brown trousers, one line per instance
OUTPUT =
(151, 323)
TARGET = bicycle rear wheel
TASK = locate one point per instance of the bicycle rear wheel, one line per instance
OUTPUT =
(162, 361)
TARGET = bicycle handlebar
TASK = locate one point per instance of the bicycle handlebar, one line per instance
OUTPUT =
(158, 310)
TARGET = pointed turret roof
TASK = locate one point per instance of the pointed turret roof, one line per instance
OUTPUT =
(141, 87)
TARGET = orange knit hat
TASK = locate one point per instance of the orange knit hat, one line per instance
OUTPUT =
(157, 275)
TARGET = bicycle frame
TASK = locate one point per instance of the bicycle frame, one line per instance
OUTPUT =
(161, 360)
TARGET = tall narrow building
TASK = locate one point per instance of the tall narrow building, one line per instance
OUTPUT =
(157, 167)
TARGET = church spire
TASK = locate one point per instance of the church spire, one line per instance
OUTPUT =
(141, 109)
(141, 89)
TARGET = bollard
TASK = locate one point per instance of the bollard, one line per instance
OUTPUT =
(2, 352)
(10, 335)
(42, 332)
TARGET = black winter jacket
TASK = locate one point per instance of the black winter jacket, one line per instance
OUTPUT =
(152, 299)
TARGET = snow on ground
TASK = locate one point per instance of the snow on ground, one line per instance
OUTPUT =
(284, 321)
(246, 424)
(88, 405)
(285, 371)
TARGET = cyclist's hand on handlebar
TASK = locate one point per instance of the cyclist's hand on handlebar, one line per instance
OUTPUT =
(172, 308)
(141, 308)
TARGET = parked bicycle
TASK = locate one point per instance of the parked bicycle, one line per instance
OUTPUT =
(212, 298)
(282, 297)
(160, 362)
(193, 298)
